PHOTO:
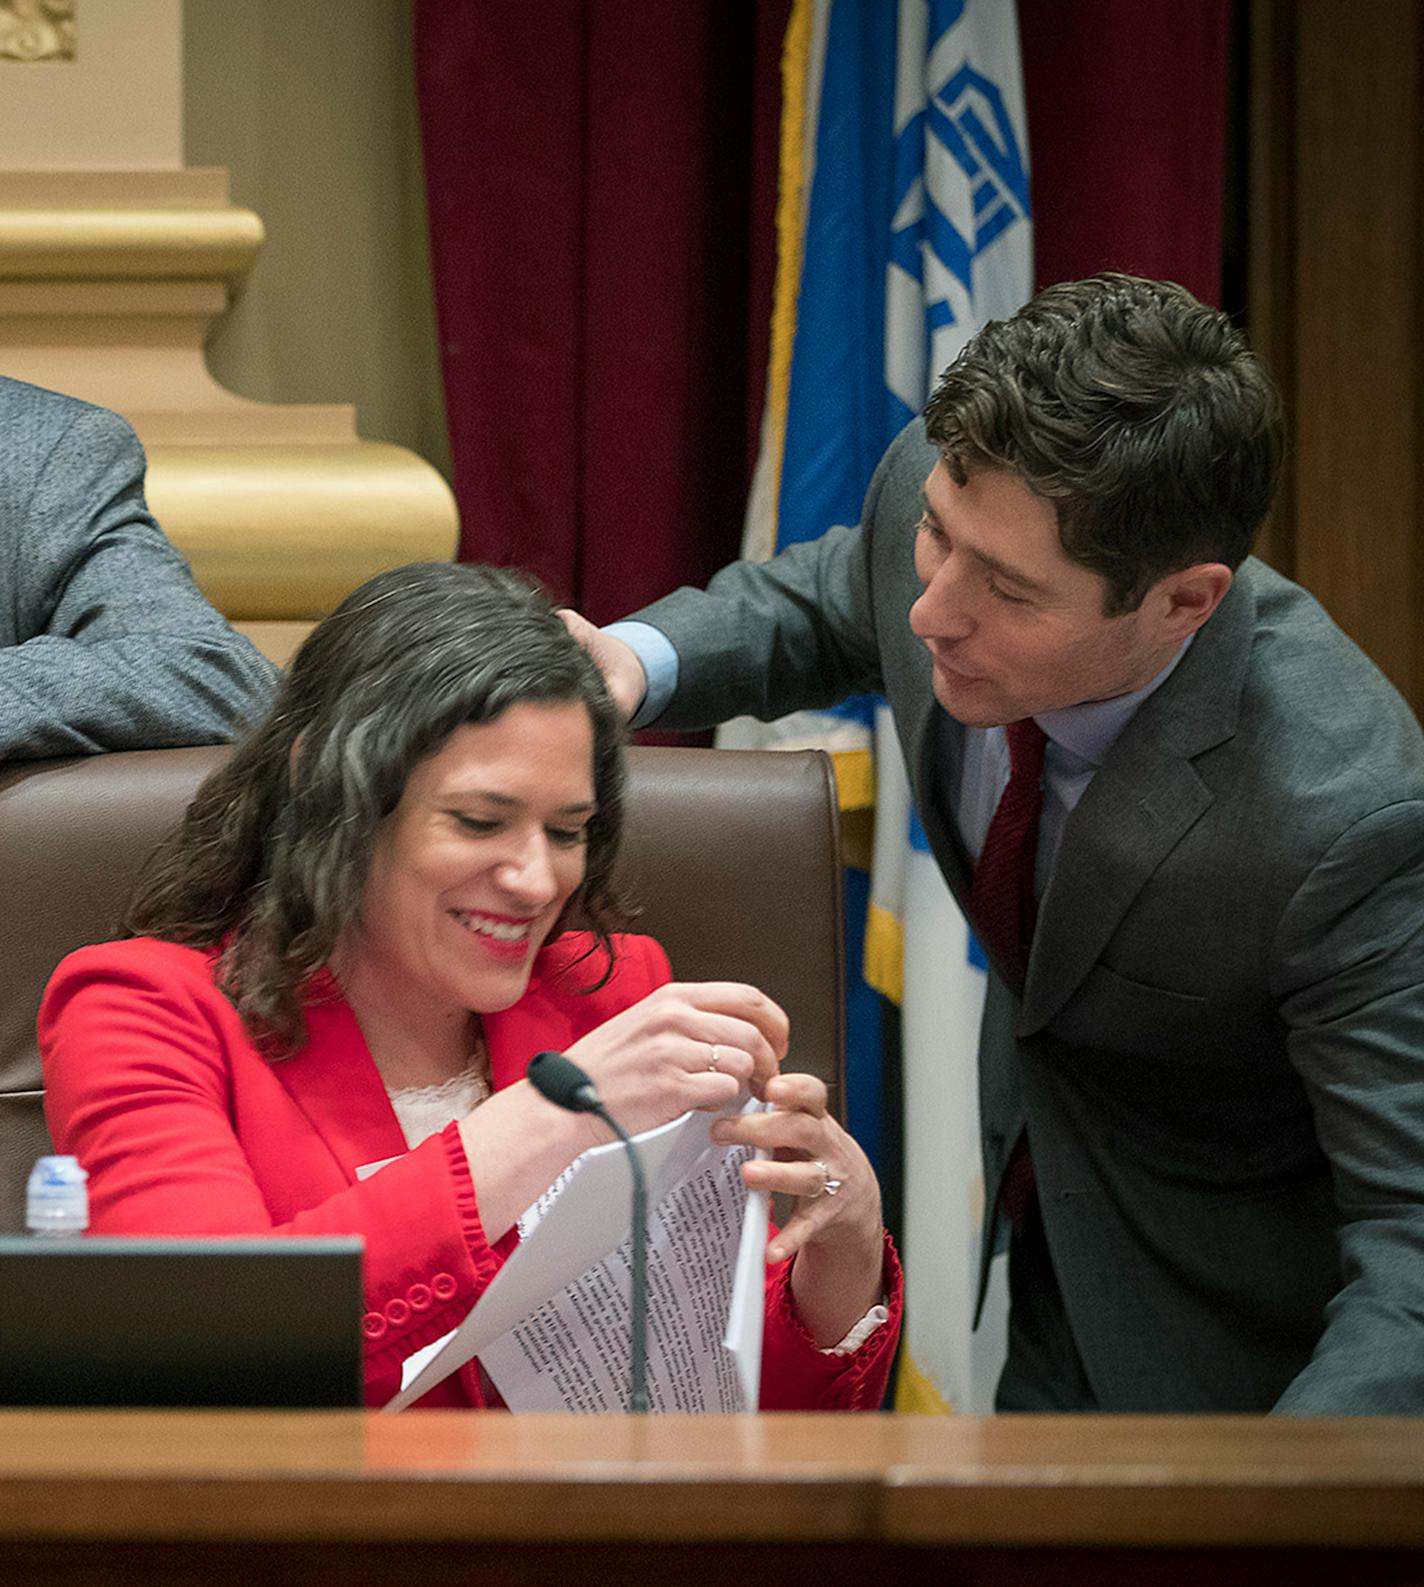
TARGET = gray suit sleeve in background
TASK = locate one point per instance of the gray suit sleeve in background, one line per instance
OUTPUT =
(107, 642)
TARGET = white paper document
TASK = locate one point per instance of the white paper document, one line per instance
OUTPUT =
(552, 1328)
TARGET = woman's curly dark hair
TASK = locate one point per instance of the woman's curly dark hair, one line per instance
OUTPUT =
(272, 856)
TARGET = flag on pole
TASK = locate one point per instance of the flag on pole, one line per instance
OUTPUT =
(961, 254)
(828, 415)
(903, 225)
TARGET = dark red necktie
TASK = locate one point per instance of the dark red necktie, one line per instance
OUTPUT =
(1003, 907)
(1001, 899)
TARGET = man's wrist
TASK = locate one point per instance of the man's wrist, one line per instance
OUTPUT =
(660, 667)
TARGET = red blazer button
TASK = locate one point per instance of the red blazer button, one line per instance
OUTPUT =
(443, 1287)
(373, 1325)
(419, 1297)
(397, 1312)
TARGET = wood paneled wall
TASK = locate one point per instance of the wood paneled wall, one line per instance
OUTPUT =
(1336, 305)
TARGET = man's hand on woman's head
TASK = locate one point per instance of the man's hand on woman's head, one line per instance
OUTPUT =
(616, 660)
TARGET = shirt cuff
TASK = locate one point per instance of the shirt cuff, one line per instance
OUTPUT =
(860, 1333)
(654, 649)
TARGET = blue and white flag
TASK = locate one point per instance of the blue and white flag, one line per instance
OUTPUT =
(961, 254)
(903, 226)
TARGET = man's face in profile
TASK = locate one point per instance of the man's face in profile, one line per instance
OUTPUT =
(1013, 626)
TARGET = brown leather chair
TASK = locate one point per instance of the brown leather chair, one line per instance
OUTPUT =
(733, 856)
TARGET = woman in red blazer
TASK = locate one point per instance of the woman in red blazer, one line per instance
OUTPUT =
(348, 954)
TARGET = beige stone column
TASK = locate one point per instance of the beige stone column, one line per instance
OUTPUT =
(115, 260)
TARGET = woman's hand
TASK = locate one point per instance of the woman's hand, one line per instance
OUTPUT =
(684, 1046)
(835, 1231)
(688, 1045)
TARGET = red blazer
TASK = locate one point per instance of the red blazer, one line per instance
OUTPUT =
(185, 1127)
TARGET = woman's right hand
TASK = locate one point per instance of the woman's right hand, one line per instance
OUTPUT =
(690, 1044)
(650, 1063)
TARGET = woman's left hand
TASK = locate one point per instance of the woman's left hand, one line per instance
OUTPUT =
(835, 1230)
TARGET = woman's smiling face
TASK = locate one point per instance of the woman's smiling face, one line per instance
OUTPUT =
(472, 869)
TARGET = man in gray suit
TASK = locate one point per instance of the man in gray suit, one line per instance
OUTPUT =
(1202, 1084)
(105, 642)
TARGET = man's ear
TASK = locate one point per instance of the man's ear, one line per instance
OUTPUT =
(1189, 596)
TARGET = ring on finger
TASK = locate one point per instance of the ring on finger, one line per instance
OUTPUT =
(829, 1183)
(712, 1061)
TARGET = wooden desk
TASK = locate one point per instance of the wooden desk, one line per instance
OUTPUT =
(441, 1497)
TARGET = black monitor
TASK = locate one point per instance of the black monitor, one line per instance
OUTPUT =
(162, 1322)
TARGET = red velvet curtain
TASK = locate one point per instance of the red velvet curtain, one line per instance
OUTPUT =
(591, 169)
(1127, 105)
(601, 179)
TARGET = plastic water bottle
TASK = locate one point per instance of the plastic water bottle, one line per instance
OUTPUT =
(57, 1198)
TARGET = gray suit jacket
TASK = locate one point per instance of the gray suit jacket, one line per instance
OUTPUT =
(105, 642)
(1219, 1052)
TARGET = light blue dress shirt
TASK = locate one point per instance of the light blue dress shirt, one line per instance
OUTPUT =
(654, 650)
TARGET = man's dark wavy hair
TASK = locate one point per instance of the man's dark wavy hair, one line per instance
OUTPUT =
(1138, 412)
(272, 856)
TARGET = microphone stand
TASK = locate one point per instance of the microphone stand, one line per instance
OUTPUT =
(560, 1081)
(638, 1364)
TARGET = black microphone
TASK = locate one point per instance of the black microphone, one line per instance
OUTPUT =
(562, 1082)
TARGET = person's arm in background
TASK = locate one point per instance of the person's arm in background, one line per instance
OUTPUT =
(113, 645)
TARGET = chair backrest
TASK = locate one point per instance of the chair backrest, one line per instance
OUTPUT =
(733, 856)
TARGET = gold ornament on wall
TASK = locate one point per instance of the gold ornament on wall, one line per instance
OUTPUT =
(37, 30)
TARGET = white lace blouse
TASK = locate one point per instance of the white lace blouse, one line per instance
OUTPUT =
(423, 1111)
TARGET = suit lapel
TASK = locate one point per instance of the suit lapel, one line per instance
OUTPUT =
(935, 769)
(1135, 811)
(334, 1081)
(933, 747)
(1138, 807)
(536, 1023)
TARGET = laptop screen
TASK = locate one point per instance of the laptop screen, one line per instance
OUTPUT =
(103, 1321)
